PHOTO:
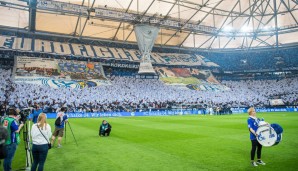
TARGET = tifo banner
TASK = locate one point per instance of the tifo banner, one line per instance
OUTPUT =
(58, 73)
(88, 51)
(157, 113)
(194, 79)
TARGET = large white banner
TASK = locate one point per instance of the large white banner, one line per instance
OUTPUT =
(59, 73)
(36, 62)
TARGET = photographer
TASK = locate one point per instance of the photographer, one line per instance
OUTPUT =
(13, 128)
(105, 129)
(59, 126)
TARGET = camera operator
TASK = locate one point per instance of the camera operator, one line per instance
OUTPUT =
(13, 128)
(59, 128)
(105, 129)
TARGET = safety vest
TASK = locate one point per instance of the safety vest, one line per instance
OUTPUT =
(6, 124)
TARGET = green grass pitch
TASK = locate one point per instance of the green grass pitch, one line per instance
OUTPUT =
(167, 143)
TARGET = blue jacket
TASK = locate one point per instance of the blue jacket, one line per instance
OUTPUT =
(35, 114)
(254, 124)
(64, 118)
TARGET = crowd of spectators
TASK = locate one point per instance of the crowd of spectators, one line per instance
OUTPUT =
(130, 94)
(255, 60)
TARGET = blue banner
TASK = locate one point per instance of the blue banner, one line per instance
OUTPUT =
(244, 110)
(160, 113)
(122, 114)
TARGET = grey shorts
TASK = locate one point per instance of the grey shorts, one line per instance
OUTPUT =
(58, 132)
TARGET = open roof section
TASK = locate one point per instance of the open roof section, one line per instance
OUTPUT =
(235, 23)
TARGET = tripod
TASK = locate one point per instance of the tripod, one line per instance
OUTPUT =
(26, 137)
(71, 132)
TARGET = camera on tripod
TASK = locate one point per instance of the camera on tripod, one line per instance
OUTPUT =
(24, 114)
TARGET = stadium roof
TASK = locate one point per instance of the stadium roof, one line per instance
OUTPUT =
(202, 24)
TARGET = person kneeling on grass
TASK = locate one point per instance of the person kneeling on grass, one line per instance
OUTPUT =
(105, 128)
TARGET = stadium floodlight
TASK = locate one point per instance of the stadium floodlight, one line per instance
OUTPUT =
(245, 29)
(227, 29)
(265, 28)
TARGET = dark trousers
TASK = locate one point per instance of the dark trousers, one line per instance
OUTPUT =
(10, 151)
(39, 153)
(255, 145)
(106, 132)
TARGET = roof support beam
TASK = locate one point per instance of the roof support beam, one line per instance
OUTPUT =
(228, 15)
(212, 42)
(225, 20)
(263, 41)
(79, 18)
(171, 9)
(289, 10)
(122, 22)
(258, 27)
(201, 20)
(205, 42)
(275, 22)
(247, 20)
(248, 8)
(141, 17)
(228, 42)
(254, 8)
(87, 18)
(243, 41)
(32, 15)
(207, 7)
(185, 23)
(252, 11)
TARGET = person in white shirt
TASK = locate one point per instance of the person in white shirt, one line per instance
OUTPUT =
(59, 129)
(41, 133)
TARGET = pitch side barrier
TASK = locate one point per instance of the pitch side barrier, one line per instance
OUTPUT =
(244, 110)
(123, 114)
(160, 113)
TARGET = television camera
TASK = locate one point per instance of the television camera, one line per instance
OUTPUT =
(24, 114)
